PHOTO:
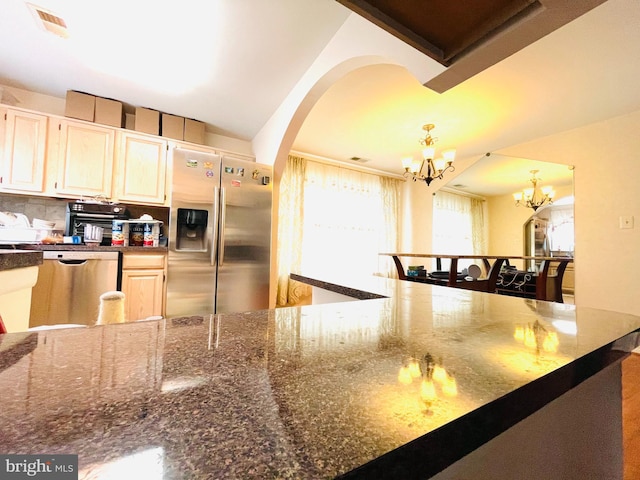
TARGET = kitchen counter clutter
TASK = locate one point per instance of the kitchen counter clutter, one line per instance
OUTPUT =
(419, 380)
(86, 248)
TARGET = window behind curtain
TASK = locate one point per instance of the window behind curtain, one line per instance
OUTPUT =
(457, 227)
(346, 221)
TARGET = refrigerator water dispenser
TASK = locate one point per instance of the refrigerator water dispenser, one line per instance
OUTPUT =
(191, 229)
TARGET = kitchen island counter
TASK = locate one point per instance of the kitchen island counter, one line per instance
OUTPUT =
(309, 392)
(75, 247)
(11, 259)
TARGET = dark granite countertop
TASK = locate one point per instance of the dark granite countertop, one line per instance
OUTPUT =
(91, 248)
(302, 392)
(10, 259)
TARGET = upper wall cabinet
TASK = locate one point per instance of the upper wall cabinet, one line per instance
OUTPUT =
(61, 157)
(85, 159)
(141, 169)
(24, 140)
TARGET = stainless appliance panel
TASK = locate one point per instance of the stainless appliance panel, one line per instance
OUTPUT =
(69, 287)
(191, 271)
(245, 238)
(232, 272)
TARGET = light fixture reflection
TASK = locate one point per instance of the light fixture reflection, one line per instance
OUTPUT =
(534, 197)
(427, 392)
(449, 386)
(536, 336)
(404, 376)
(434, 377)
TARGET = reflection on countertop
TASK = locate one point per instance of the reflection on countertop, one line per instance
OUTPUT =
(300, 392)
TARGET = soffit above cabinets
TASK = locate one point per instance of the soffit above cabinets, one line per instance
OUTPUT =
(468, 37)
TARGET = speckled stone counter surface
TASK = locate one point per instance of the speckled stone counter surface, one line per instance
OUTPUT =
(305, 392)
(92, 248)
(359, 293)
(10, 259)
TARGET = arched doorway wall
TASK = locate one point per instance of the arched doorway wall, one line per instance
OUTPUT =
(291, 127)
(358, 43)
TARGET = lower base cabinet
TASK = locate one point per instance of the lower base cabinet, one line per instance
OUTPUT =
(143, 284)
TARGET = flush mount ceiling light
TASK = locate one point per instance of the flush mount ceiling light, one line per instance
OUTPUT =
(49, 21)
(435, 168)
(534, 197)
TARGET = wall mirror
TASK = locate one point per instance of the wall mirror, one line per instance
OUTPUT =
(511, 229)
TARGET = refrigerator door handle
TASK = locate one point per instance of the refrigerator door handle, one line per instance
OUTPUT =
(213, 239)
(223, 209)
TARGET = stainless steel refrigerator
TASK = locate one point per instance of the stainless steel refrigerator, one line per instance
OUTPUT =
(219, 234)
(536, 241)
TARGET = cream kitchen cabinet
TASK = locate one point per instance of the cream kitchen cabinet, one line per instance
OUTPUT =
(141, 169)
(143, 284)
(85, 159)
(23, 153)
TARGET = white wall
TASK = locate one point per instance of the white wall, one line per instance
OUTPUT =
(606, 156)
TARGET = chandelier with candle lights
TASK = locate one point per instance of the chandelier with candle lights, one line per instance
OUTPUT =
(432, 376)
(435, 167)
(536, 337)
(534, 197)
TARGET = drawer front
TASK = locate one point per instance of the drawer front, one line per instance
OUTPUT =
(141, 260)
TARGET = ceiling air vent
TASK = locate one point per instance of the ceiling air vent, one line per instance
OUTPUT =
(359, 159)
(49, 21)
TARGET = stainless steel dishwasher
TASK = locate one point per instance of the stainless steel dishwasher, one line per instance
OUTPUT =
(69, 286)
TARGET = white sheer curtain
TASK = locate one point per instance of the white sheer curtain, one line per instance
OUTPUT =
(289, 253)
(331, 220)
(349, 217)
(458, 226)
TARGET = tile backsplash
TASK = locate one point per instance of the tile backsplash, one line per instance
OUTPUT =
(44, 208)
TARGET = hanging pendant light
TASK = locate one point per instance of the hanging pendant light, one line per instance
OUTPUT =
(435, 167)
(534, 197)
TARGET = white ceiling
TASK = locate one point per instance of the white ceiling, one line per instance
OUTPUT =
(582, 73)
(230, 63)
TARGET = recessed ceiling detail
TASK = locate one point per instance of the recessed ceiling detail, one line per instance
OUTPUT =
(468, 37)
(443, 29)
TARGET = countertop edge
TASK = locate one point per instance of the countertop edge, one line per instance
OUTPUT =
(432, 453)
(87, 248)
(333, 287)
(13, 259)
